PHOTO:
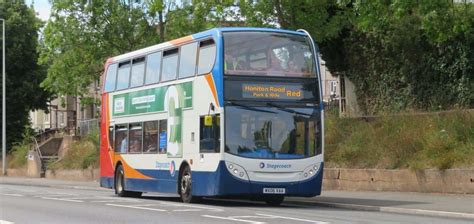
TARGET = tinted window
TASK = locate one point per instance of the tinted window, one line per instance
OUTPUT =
(268, 54)
(170, 65)
(138, 72)
(111, 136)
(163, 137)
(209, 136)
(150, 136)
(121, 138)
(123, 75)
(187, 60)
(272, 132)
(153, 65)
(207, 56)
(110, 78)
(135, 134)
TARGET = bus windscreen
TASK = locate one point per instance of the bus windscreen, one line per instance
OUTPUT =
(272, 131)
(268, 54)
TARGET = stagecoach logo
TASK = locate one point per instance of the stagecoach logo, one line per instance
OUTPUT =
(172, 168)
(274, 166)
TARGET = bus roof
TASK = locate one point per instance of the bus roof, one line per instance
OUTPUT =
(207, 33)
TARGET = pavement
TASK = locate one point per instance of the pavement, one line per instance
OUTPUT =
(438, 205)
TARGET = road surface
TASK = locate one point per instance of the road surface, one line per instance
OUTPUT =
(39, 204)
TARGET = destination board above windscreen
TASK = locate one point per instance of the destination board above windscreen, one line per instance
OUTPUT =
(250, 90)
(272, 91)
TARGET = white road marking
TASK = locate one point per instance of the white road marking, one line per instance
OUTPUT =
(136, 207)
(24, 190)
(187, 210)
(59, 193)
(233, 219)
(399, 210)
(252, 217)
(6, 222)
(191, 206)
(105, 201)
(295, 219)
(14, 195)
(61, 199)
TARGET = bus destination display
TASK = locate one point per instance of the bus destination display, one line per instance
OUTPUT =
(272, 91)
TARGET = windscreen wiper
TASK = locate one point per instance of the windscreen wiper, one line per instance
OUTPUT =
(288, 110)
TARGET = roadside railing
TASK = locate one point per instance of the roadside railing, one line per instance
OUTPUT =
(86, 127)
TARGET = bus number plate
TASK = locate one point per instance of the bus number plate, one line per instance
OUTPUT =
(274, 190)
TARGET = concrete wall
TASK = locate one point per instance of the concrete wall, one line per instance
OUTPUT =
(33, 164)
(79, 175)
(459, 181)
(21, 172)
(66, 145)
(429, 181)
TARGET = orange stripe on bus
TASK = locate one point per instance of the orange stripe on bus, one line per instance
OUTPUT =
(181, 40)
(130, 172)
(210, 81)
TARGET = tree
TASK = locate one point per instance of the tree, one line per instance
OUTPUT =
(399, 54)
(81, 35)
(411, 55)
(23, 74)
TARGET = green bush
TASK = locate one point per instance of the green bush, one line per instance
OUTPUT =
(82, 154)
(19, 155)
(407, 141)
(19, 150)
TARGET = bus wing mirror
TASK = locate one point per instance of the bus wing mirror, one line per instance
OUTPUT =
(208, 121)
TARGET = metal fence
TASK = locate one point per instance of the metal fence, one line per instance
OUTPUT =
(85, 127)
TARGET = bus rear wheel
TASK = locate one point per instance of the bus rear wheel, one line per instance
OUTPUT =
(120, 185)
(185, 186)
(274, 200)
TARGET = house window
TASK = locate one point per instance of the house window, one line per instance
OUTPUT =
(332, 87)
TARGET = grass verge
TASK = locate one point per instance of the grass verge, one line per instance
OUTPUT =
(442, 141)
(83, 154)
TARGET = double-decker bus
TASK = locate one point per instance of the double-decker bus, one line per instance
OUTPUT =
(224, 112)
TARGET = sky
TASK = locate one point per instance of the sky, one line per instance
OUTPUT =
(42, 8)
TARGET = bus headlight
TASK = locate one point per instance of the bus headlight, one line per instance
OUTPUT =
(310, 171)
(237, 171)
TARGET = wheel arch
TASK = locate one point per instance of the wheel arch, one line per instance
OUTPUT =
(180, 173)
(119, 163)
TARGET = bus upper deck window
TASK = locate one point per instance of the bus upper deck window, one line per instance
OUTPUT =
(170, 65)
(207, 56)
(123, 76)
(153, 67)
(138, 72)
(187, 61)
(110, 78)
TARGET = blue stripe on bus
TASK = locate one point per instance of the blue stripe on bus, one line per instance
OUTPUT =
(217, 183)
(153, 185)
(226, 184)
(218, 72)
(107, 182)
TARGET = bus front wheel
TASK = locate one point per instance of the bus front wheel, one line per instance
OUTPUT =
(120, 185)
(186, 185)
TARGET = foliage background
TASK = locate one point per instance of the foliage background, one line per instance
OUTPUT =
(401, 55)
(23, 73)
